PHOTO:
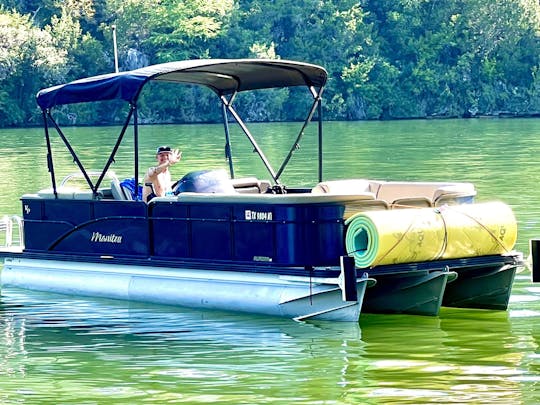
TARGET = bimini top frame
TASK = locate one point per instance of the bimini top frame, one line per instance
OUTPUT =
(226, 77)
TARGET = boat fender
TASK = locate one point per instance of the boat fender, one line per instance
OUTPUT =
(348, 279)
(535, 256)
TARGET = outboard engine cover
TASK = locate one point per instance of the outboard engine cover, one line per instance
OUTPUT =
(205, 181)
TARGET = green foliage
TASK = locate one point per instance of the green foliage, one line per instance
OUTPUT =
(385, 58)
(28, 57)
(459, 58)
(172, 30)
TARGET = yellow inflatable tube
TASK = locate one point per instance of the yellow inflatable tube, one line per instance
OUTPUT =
(414, 235)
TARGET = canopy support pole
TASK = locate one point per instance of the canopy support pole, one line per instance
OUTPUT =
(319, 112)
(50, 164)
(296, 144)
(228, 150)
(72, 152)
(115, 149)
(229, 107)
(136, 147)
(94, 187)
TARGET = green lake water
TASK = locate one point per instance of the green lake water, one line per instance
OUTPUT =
(71, 350)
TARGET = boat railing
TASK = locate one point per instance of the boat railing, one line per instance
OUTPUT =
(11, 231)
(247, 198)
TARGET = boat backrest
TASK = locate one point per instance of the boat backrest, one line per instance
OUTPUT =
(395, 194)
(344, 187)
(452, 194)
(118, 191)
(424, 194)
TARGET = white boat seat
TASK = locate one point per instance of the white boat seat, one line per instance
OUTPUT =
(250, 185)
(64, 193)
(86, 195)
(68, 193)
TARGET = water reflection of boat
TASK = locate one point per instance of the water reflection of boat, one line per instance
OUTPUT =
(255, 245)
(455, 355)
(80, 318)
(116, 351)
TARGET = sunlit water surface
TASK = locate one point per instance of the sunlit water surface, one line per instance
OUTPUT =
(60, 349)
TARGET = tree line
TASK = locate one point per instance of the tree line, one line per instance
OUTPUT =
(387, 59)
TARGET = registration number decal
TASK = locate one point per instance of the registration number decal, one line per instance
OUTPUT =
(251, 215)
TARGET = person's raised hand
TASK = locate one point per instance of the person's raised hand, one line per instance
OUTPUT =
(175, 156)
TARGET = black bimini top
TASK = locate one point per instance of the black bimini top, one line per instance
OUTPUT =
(223, 76)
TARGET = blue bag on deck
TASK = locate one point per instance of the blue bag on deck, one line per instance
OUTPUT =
(128, 185)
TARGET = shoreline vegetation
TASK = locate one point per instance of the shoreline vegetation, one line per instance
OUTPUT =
(386, 59)
(501, 116)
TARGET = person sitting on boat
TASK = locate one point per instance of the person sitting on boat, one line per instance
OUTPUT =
(157, 180)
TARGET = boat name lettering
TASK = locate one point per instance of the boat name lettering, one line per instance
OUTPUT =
(111, 238)
(258, 215)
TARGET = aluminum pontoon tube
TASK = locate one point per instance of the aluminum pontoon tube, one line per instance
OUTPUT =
(298, 297)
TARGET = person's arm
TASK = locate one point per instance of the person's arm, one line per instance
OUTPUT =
(155, 170)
